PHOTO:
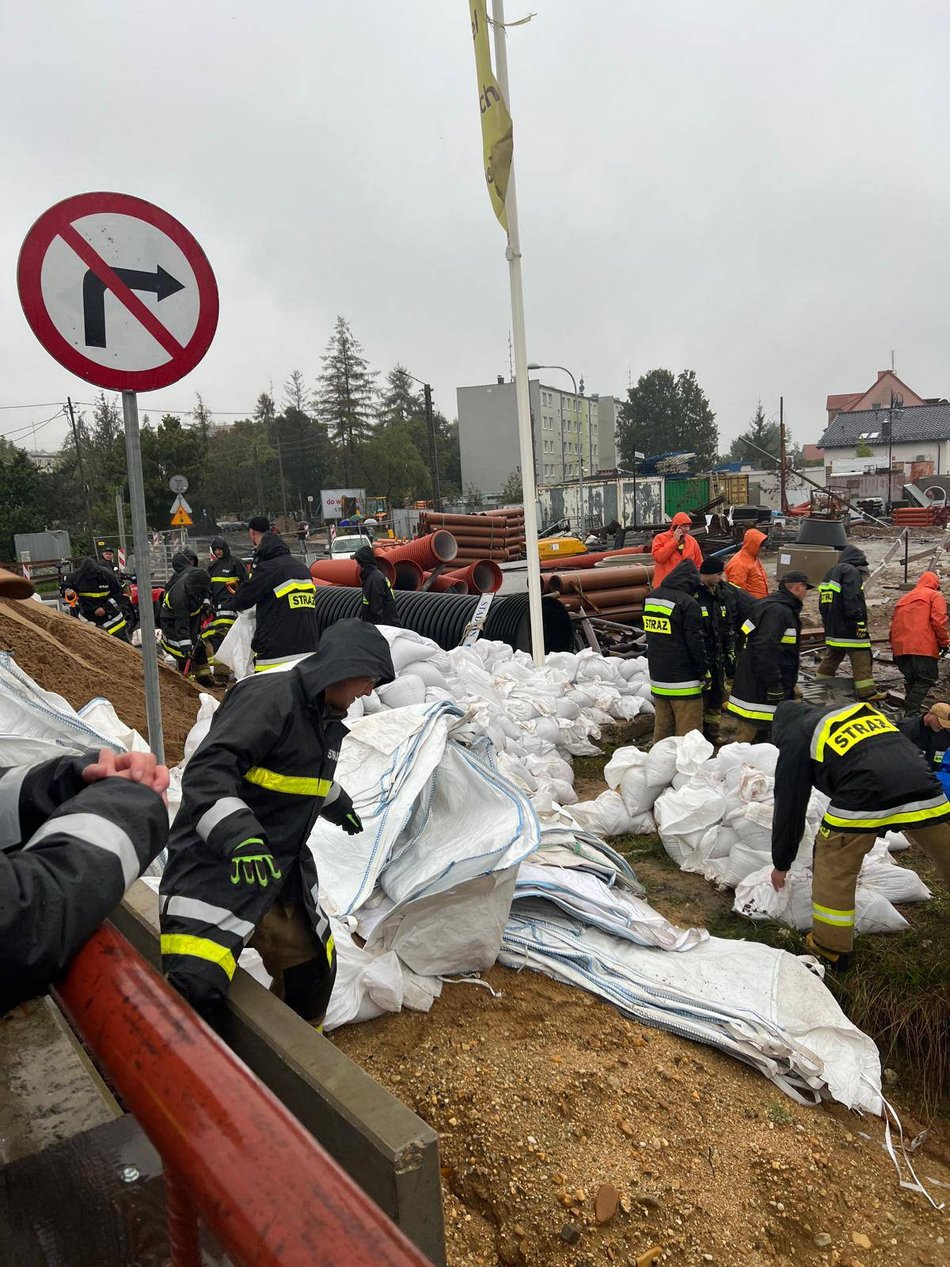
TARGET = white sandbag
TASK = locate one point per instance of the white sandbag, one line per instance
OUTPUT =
(661, 763)
(896, 883)
(428, 673)
(756, 899)
(405, 692)
(896, 841)
(206, 710)
(235, 650)
(407, 647)
(606, 815)
(682, 818)
(100, 714)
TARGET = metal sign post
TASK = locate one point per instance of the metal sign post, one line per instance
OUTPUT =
(121, 294)
(143, 574)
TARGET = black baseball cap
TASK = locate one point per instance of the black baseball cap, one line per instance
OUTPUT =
(711, 566)
(793, 577)
(258, 524)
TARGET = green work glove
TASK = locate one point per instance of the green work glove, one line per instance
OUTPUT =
(253, 864)
(860, 630)
(342, 813)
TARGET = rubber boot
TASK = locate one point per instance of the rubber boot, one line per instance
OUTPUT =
(835, 960)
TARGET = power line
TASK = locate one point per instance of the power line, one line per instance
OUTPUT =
(39, 404)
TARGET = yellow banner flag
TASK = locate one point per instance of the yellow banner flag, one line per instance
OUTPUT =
(496, 121)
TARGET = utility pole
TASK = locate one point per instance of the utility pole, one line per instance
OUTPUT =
(280, 467)
(781, 454)
(433, 448)
(82, 476)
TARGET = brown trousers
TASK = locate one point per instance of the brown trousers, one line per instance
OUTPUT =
(676, 715)
(747, 731)
(838, 858)
(861, 667)
(285, 940)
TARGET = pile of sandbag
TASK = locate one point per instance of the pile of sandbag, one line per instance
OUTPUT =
(714, 816)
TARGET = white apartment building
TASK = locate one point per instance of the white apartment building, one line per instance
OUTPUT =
(573, 434)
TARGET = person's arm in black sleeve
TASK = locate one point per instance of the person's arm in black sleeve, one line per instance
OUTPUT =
(30, 794)
(252, 591)
(692, 627)
(376, 593)
(243, 731)
(771, 622)
(852, 597)
(792, 790)
(240, 571)
(69, 875)
(921, 736)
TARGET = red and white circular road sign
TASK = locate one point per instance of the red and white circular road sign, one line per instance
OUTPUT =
(118, 291)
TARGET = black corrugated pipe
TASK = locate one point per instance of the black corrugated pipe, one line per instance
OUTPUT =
(443, 617)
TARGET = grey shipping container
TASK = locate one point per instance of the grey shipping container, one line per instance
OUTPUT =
(42, 547)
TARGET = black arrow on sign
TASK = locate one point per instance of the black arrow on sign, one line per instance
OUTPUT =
(162, 284)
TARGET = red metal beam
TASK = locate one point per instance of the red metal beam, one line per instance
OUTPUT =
(268, 1191)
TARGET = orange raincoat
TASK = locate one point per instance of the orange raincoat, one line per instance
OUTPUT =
(744, 568)
(670, 553)
(919, 626)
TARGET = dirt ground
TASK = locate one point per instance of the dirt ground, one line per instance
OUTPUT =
(553, 1110)
(80, 662)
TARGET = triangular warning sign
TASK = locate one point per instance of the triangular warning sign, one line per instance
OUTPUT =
(181, 518)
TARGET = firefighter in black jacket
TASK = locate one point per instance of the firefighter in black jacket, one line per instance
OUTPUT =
(74, 834)
(767, 671)
(239, 870)
(378, 606)
(877, 779)
(931, 733)
(227, 574)
(719, 633)
(676, 654)
(180, 616)
(844, 614)
(99, 597)
(282, 590)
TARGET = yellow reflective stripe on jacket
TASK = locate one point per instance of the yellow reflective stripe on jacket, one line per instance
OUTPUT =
(790, 636)
(199, 948)
(753, 711)
(288, 587)
(296, 785)
(886, 817)
(828, 915)
(822, 732)
(747, 627)
(93, 593)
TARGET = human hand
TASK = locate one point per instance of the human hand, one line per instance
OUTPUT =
(777, 879)
(100, 611)
(252, 863)
(136, 767)
(860, 630)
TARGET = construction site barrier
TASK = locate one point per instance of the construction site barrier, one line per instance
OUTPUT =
(233, 1156)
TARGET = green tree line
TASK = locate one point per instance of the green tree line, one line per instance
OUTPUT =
(342, 431)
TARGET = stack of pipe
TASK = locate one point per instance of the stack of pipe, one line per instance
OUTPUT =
(497, 537)
(615, 593)
(588, 560)
(912, 516)
(347, 571)
(480, 577)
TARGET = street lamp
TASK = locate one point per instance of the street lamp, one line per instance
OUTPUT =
(580, 452)
(433, 450)
(621, 470)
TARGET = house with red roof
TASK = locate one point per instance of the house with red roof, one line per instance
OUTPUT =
(877, 396)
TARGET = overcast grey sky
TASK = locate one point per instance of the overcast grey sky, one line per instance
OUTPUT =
(759, 192)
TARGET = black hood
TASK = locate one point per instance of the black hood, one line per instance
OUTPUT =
(350, 648)
(219, 543)
(365, 557)
(685, 577)
(271, 547)
(851, 554)
(180, 562)
(89, 574)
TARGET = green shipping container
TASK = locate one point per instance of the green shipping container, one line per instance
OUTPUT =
(688, 495)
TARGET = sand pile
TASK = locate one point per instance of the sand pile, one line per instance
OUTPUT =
(80, 662)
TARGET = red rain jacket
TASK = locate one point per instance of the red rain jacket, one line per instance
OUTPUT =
(919, 626)
(669, 553)
(744, 568)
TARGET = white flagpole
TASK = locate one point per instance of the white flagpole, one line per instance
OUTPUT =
(525, 437)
